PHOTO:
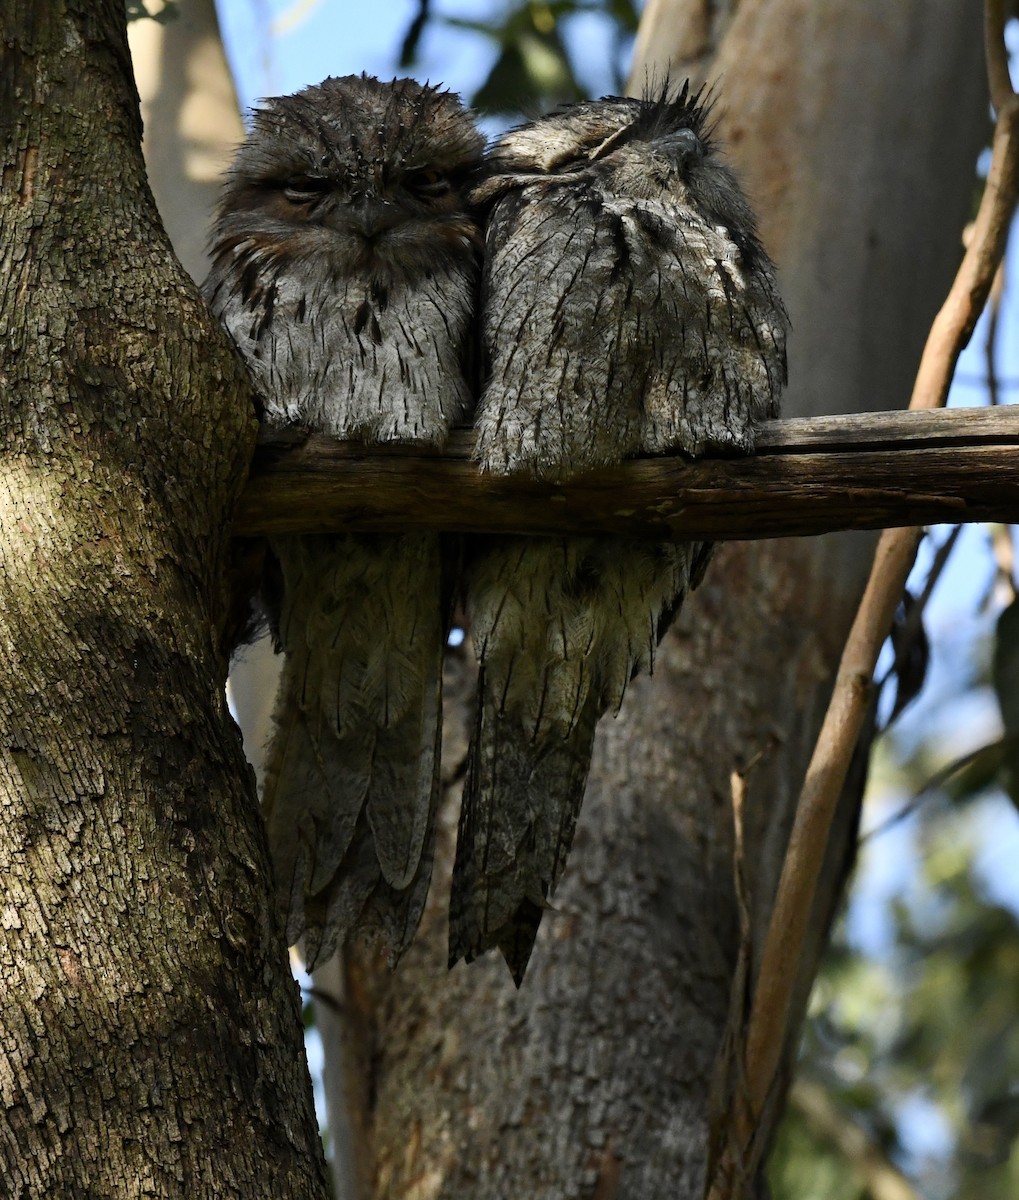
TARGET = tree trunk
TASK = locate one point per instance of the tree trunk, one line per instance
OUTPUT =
(150, 1028)
(192, 128)
(192, 122)
(856, 126)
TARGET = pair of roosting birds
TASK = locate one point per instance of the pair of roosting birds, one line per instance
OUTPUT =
(590, 289)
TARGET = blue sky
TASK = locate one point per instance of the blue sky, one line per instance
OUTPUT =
(279, 46)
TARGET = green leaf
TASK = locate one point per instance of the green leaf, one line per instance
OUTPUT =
(1005, 676)
(528, 75)
(978, 770)
(1005, 670)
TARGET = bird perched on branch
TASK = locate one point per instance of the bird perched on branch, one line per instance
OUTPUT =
(628, 308)
(345, 267)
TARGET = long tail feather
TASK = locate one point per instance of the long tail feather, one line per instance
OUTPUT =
(561, 626)
(520, 807)
(352, 783)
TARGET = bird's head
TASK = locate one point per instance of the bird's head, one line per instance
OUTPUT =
(360, 176)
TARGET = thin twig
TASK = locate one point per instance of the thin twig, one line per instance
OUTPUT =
(994, 384)
(954, 324)
(1002, 383)
(999, 80)
(412, 38)
(938, 780)
(1003, 549)
(937, 567)
(912, 627)
(770, 1012)
(729, 1062)
(867, 1158)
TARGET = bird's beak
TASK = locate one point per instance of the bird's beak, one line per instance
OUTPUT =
(371, 215)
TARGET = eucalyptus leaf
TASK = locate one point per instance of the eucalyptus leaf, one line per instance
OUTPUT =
(1005, 676)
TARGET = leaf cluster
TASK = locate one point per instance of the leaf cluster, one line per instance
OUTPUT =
(537, 64)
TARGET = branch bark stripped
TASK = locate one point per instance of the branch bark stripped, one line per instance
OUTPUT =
(809, 476)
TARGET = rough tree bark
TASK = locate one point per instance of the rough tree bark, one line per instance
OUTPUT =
(856, 125)
(192, 127)
(150, 1029)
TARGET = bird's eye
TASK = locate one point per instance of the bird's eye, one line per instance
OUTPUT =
(305, 189)
(429, 184)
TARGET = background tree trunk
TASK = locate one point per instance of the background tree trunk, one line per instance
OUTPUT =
(151, 1032)
(856, 126)
(191, 119)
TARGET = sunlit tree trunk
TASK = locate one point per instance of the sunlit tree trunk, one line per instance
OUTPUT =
(150, 1029)
(856, 126)
(191, 118)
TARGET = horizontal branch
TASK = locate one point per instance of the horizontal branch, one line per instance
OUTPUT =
(809, 476)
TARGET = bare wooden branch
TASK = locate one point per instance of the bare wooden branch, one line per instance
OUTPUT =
(809, 476)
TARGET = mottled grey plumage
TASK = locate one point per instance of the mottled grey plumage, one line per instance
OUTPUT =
(628, 308)
(345, 265)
